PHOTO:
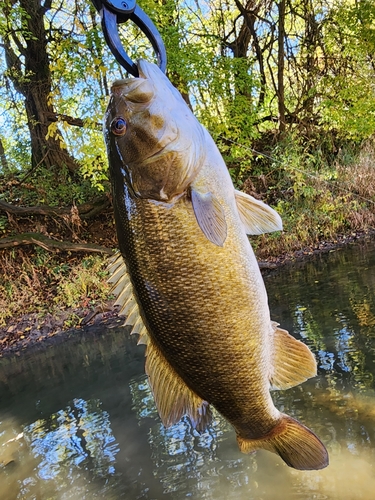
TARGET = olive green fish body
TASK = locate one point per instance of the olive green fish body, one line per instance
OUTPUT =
(195, 300)
(192, 286)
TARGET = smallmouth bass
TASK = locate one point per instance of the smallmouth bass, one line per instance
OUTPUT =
(187, 278)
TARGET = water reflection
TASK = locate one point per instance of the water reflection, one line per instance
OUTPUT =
(78, 420)
(78, 437)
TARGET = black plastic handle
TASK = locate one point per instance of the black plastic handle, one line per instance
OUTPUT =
(115, 12)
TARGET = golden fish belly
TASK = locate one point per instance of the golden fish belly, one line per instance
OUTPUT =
(205, 307)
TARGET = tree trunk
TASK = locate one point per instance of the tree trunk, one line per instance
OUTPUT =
(32, 78)
(3, 158)
(280, 68)
(240, 45)
(311, 42)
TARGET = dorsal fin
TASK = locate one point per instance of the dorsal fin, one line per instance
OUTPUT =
(173, 398)
(210, 216)
(143, 336)
(292, 361)
(122, 289)
(256, 216)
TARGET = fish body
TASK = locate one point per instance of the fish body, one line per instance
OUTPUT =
(192, 287)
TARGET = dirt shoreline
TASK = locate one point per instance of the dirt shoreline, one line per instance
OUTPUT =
(29, 333)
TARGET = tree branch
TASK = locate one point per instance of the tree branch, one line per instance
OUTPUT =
(77, 122)
(85, 211)
(49, 244)
(46, 6)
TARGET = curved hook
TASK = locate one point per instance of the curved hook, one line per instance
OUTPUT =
(119, 11)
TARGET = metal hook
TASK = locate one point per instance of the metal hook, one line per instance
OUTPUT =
(114, 12)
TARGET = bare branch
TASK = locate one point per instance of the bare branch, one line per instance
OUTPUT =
(50, 244)
(76, 122)
(85, 210)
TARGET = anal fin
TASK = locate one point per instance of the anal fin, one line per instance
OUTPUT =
(292, 362)
(173, 398)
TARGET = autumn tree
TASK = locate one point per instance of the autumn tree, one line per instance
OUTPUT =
(25, 41)
(257, 73)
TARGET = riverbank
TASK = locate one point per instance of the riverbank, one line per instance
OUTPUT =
(53, 258)
(38, 330)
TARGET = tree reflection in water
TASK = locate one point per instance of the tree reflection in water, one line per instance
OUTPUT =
(78, 437)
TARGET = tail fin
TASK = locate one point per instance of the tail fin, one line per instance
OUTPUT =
(296, 444)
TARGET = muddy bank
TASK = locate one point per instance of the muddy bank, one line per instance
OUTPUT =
(32, 332)
(273, 262)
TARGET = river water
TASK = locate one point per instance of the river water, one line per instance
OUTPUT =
(77, 421)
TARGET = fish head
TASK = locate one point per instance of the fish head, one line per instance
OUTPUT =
(153, 139)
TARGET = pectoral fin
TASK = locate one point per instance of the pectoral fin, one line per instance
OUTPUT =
(173, 398)
(210, 216)
(256, 216)
(292, 362)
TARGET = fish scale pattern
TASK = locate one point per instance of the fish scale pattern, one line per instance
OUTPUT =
(202, 326)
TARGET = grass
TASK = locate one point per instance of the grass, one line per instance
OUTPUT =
(320, 204)
(51, 284)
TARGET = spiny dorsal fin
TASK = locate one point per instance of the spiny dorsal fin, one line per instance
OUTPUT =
(292, 362)
(210, 216)
(256, 216)
(173, 398)
(116, 267)
(123, 291)
(143, 336)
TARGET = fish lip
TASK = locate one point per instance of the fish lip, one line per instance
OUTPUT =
(117, 85)
(142, 69)
(142, 65)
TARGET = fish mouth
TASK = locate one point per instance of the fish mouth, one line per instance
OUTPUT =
(118, 86)
(144, 68)
(151, 71)
(148, 72)
(145, 73)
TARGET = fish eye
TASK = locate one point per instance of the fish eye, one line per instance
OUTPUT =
(118, 126)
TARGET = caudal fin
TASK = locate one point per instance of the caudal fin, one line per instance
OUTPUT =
(296, 444)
